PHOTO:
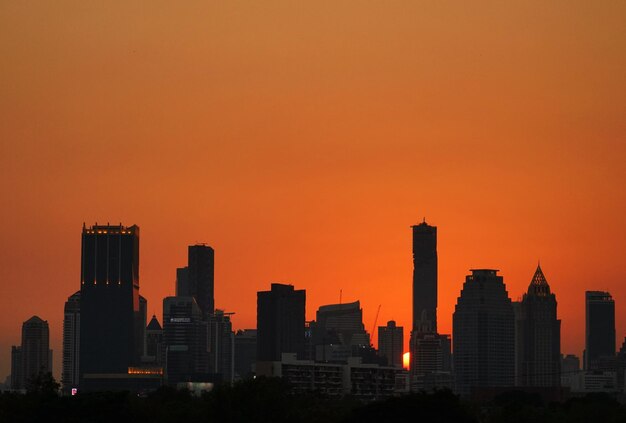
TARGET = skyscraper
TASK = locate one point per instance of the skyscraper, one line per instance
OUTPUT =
(109, 302)
(222, 346)
(424, 277)
(599, 328)
(280, 322)
(34, 356)
(538, 336)
(391, 343)
(185, 343)
(154, 342)
(483, 331)
(71, 343)
(200, 277)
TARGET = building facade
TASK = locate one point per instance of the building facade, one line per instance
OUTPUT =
(34, 356)
(280, 322)
(538, 336)
(109, 303)
(338, 332)
(245, 353)
(71, 343)
(391, 343)
(599, 329)
(221, 346)
(425, 277)
(483, 330)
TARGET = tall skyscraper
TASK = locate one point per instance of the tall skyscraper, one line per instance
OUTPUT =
(280, 322)
(34, 356)
(338, 332)
(600, 328)
(222, 346)
(200, 277)
(538, 336)
(424, 277)
(154, 342)
(185, 343)
(391, 343)
(483, 331)
(109, 302)
(71, 343)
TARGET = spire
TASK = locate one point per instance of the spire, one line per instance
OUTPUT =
(539, 284)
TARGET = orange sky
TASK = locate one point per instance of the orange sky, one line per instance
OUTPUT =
(302, 139)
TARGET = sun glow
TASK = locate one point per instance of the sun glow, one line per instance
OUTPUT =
(406, 360)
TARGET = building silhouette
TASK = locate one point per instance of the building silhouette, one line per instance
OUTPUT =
(109, 305)
(280, 322)
(154, 342)
(71, 343)
(538, 336)
(338, 332)
(245, 353)
(391, 343)
(197, 279)
(424, 277)
(34, 355)
(483, 333)
(599, 329)
(222, 346)
(185, 341)
(431, 361)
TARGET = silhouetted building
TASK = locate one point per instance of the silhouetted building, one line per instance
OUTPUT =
(483, 333)
(620, 366)
(71, 343)
(600, 329)
(245, 353)
(200, 276)
(17, 377)
(391, 343)
(34, 356)
(109, 304)
(221, 346)
(570, 367)
(430, 361)
(338, 332)
(182, 282)
(185, 341)
(154, 342)
(280, 322)
(538, 336)
(425, 277)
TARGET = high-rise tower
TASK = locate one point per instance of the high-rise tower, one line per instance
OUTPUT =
(424, 277)
(34, 356)
(538, 336)
(197, 280)
(483, 330)
(280, 322)
(600, 328)
(71, 343)
(109, 301)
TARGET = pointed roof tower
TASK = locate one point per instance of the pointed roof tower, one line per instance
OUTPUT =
(539, 285)
(154, 324)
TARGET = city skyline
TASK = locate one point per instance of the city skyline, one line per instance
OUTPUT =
(301, 142)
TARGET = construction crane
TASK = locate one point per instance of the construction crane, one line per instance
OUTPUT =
(375, 321)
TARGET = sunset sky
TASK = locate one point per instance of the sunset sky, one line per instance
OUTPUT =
(302, 139)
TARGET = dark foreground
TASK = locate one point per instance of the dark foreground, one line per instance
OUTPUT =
(268, 400)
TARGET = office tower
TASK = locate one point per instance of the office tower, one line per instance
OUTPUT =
(185, 343)
(600, 329)
(538, 336)
(154, 342)
(391, 343)
(141, 316)
(338, 332)
(245, 353)
(34, 356)
(109, 302)
(182, 282)
(71, 343)
(280, 322)
(17, 378)
(425, 277)
(431, 364)
(221, 346)
(570, 369)
(483, 330)
(200, 277)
